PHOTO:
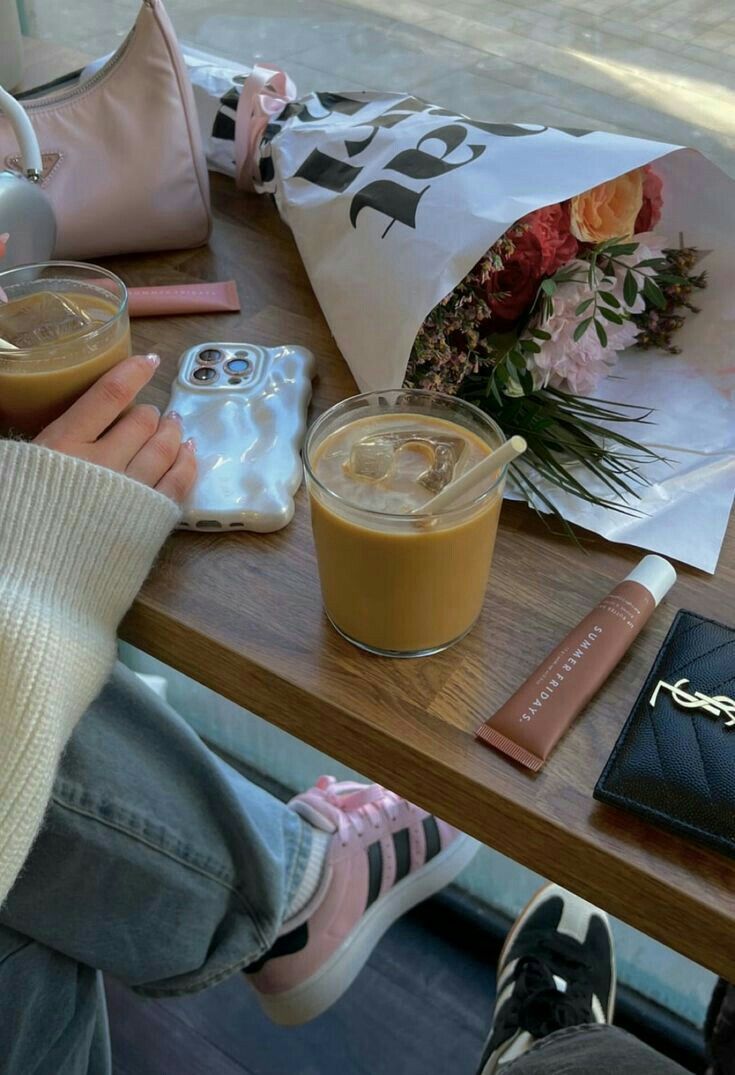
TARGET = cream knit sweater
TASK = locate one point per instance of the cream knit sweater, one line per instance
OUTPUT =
(76, 542)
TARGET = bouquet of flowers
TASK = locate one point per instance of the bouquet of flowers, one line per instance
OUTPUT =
(513, 265)
(532, 329)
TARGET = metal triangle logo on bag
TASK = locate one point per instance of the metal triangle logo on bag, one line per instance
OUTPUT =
(50, 162)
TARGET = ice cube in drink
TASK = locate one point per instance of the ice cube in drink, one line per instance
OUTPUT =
(375, 456)
(40, 318)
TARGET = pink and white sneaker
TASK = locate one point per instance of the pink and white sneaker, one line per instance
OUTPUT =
(385, 856)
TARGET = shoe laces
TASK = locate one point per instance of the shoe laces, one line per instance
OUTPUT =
(539, 1006)
(348, 805)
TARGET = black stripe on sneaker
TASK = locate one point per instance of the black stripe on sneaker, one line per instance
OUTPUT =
(433, 839)
(375, 865)
(287, 945)
(402, 848)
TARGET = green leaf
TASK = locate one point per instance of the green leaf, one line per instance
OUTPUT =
(653, 263)
(582, 328)
(622, 250)
(601, 334)
(530, 346)
(584, 306)
(540, 334)
(548, 287)
(516, 359)
(630, 288)
(609, 298)
(611, 315)
(654, 294)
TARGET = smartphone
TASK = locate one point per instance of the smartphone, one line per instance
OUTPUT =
(245, 406)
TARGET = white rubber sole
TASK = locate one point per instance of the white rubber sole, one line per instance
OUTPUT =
(312, 997)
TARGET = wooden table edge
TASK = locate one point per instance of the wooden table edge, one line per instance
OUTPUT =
(342, 734)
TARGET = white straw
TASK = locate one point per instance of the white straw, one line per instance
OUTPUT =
(506, 453)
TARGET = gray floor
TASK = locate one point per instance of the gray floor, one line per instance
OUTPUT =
(662, 68)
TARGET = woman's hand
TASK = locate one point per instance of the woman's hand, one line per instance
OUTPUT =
(140, 444)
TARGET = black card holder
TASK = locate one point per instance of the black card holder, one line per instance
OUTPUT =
(675, 765)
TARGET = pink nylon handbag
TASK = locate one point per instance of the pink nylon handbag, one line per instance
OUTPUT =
(123, 165)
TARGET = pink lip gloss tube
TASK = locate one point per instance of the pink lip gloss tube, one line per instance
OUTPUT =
(170, 299)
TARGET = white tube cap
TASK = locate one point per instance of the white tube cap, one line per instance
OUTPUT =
(656, 574)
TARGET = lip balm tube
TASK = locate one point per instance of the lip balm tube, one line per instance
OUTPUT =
(531, 723)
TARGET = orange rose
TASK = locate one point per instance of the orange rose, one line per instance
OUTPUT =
(608, 211)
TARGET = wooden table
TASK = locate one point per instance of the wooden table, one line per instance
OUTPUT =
(242, 614)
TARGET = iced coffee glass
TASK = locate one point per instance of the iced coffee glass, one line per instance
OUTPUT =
(396, 580)
(62, 325)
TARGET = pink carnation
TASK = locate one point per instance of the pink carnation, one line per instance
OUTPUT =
(577, 366)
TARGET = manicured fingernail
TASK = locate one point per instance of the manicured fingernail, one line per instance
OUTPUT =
(153, 359)
(191, 444)
(174, 415)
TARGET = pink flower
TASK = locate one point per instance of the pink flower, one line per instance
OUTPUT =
(577, 366)
(3, 242)
(650, 212)
(558, 245)
(543, 243)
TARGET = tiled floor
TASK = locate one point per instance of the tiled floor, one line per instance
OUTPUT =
(662, 68)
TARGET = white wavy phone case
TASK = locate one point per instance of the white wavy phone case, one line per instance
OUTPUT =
(245, 407)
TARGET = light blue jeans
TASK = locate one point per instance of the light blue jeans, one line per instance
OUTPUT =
(157, 863)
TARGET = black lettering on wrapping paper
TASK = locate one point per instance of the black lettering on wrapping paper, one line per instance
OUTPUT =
(330, 102)
(418, 164)
(504, 130)
(500, 130)
(399, 203)
(389, 198)
(396, 114)
(328, 172)
(224, 122)
(575, 132)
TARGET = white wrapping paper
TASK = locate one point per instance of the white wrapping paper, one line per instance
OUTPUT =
(392, 201)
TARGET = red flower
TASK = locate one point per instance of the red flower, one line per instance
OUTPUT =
(653, 201)
(543, 243)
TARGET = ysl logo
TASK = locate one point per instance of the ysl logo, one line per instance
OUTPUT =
(716, 705)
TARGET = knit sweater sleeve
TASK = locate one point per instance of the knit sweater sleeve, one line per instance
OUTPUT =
(76, 542)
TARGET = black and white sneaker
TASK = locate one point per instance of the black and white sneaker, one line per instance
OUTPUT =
(556, 970)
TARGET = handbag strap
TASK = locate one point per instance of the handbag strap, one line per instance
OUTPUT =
(29, 149)
(266, 92)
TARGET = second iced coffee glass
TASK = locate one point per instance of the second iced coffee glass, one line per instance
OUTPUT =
(396, 581)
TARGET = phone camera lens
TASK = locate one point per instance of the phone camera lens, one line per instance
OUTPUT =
(210, 354)
(238, 366)
(204, 374)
